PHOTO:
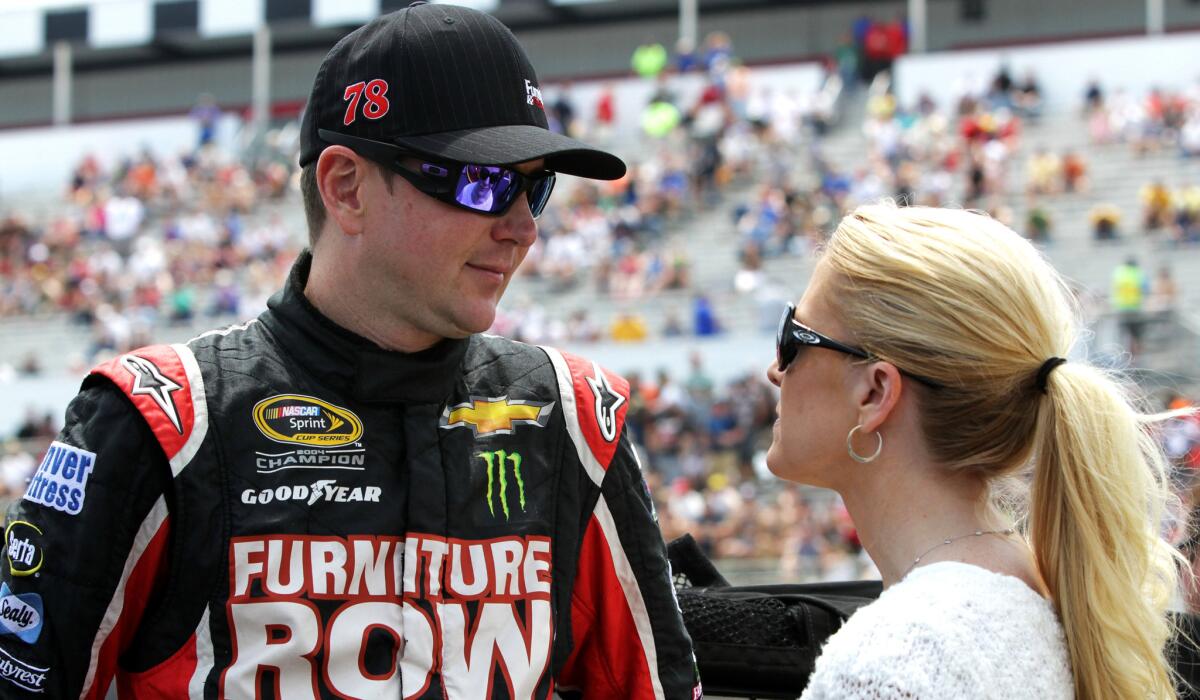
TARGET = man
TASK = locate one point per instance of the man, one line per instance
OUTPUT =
(357, 494)
(478, 190)
(1129, 289)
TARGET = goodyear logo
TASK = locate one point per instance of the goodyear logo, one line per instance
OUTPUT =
(496, 416)
(24, 551)
(499, 463)
(304, 420)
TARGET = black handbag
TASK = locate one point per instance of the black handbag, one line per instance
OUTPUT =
(757, 641)
(762, 641)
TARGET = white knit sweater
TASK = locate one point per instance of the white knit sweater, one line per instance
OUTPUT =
(948, 630)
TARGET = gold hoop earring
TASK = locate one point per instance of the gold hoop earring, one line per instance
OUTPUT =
(857, 457)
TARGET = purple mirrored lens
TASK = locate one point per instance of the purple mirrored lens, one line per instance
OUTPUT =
(484, 187)
(540, 195)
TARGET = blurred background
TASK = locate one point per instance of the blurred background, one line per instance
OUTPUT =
(148, 192)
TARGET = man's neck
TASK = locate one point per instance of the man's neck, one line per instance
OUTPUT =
(335, 294)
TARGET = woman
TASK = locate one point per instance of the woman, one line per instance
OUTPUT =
(922, 370)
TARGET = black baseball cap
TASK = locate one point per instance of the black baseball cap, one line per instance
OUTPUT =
(446, 82)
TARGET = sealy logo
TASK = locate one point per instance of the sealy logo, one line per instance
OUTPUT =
(21, 674)
(497, 416)
(304, 420)
(24, 554)
(325, 490)
(496, 465)
(20, 615)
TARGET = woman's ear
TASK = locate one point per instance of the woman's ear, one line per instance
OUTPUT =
(878, 393)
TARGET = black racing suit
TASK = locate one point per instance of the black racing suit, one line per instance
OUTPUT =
(282, 509)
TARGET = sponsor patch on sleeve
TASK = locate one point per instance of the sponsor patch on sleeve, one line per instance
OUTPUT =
(20, 615)
(61, 480)
(22, 541)
(21, 674)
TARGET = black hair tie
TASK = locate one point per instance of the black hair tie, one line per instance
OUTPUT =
(1045, 370)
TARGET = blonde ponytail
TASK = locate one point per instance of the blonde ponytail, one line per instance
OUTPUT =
(959, 298)
(1098, 495)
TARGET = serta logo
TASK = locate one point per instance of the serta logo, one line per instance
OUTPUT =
(24, 554)
(461, 608)
(497, 469)
(495, 416)
(304, 420)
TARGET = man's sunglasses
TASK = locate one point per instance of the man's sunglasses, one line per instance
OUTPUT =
(483, 189)
(793, 336)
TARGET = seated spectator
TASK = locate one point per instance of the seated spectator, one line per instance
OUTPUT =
(1105, 218)
(606, 113)
(1156, 205)
(1000, 93)
(1074, 172)
(581, 328)
(16, 466)
(628, 327)
(1189, 134)
(718, 53)
(1093, 96)
(1037, 224)
(1187, 214)
(1181, 442)
(1027, 96)
(672, 326)
(1164, 292)
(1043, 172)
(649, 59)
(704, 318)
(749, 276)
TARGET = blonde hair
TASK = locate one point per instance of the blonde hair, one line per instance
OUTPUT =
(959, 298)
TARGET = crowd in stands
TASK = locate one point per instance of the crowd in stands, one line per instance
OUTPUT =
(199, 238)
(1159, 121)
(151, 242)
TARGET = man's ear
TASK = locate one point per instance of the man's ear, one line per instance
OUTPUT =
(878, 393)
(341, 177)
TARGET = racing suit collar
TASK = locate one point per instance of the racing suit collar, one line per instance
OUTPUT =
(339, 356)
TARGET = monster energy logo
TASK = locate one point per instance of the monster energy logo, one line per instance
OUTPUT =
(496, 469)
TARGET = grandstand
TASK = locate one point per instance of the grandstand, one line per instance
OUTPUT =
(797, 126)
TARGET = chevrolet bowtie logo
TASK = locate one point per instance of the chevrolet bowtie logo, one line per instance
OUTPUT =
(498, 416)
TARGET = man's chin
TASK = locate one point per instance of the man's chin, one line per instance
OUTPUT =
(479, 321)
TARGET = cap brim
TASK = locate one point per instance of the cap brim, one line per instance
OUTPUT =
(516, 143)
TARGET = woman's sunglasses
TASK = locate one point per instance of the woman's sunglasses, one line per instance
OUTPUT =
(483, 189)
(793, 336)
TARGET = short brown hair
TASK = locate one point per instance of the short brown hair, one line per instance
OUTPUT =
(314, 207)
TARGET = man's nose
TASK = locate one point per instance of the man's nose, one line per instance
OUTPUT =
(517, 224)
